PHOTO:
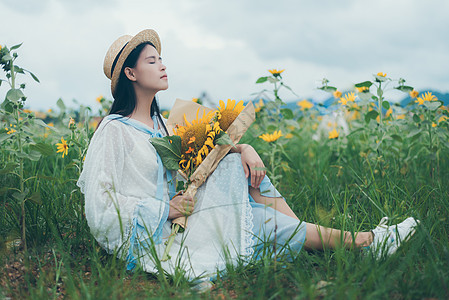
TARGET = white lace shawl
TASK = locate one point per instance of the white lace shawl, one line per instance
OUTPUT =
(119, 183)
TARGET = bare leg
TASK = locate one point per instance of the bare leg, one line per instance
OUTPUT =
(278, 204)
(317, 237)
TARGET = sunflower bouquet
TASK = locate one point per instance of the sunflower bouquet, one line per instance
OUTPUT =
(202, 137)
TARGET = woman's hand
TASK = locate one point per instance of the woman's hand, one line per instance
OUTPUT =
(181, 206)
(250, 161)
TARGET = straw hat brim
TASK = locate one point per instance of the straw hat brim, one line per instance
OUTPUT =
(147, 35)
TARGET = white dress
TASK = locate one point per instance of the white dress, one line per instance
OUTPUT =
(127, 212)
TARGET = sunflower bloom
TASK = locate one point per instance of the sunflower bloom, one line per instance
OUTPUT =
(434, 124)
(333, 134)
(63, 147)
(267, 137)
(414, 94)
(429, 97)
(276, 73)
(380, 74)
(228, 113)
(420, 101)
(196, 140)
(304, 104)
(442, 119)
(258, 106)
(337, 94)
(100, 99)
(348, 97)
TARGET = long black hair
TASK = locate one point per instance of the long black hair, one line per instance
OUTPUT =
(125, 97)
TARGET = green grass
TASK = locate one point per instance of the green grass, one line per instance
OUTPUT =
(341, 190)
(348, 183)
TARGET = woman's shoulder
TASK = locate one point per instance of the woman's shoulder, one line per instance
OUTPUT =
(109, 128)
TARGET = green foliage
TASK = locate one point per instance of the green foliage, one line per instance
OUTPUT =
(389, 161)
(169, 149)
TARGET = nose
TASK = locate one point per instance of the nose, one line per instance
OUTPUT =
(163, 67)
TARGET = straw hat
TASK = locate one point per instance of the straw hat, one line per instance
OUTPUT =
(121, 48)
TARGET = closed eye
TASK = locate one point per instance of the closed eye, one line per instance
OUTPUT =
(152, 59)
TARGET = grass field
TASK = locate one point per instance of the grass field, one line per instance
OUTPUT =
(347, 169)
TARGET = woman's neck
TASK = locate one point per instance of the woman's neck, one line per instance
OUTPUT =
(142, 112)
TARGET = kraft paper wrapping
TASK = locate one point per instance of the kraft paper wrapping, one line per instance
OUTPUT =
(210, 163)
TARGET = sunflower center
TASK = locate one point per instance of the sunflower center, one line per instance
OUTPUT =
(227, 117)
(199, 132)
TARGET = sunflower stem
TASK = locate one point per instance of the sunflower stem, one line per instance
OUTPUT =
(174, 231)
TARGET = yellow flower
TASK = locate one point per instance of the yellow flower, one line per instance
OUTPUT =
(429, 97)
(420, 101)
(442, 118)
(288, 136)
(63, 147)
(100, 99)
(380, 74)
(388, 113)
(228, 113)
(337, 94)
(400, 117)
(275, 72)
(51, 124)
(49, 110)
(195, 100)
(0, 47)
(362, 89)
(93, 124)
(414, 94)
(258, 106)
(196, 140)
(348, 97)
(267, 137)
(304, 104)
(72, 124)
(333, 134)
(10, 131)
(434, 125)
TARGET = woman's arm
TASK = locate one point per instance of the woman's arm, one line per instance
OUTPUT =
(252, 163)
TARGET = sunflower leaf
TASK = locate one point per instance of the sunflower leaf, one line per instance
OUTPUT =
(223, 139)
(364, 84)
(262, 79)
(169, 149)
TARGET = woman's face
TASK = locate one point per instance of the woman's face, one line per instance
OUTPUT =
(149, 73)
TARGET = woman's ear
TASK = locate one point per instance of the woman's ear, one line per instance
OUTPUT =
(129, 72)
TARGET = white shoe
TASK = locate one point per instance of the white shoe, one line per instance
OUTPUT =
(202, 287)
(387, 239)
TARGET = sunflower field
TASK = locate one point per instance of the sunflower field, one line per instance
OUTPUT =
(344, 166)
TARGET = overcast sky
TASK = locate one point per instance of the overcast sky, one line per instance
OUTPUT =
(222, 47)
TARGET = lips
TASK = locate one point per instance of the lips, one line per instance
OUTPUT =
(164, 77)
